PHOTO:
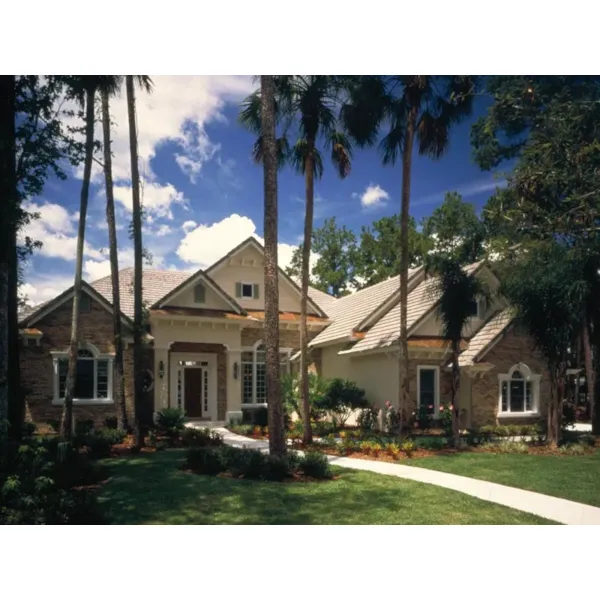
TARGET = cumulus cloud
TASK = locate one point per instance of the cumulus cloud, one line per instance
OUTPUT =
(157, 199)
(189, 225)
(205, 244)
(373, 196)
(56, 230)
(42, 288)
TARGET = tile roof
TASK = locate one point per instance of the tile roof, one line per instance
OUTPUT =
(347, 312)
(387, 330)
(485, 336)
(156, 284)
(324, 301)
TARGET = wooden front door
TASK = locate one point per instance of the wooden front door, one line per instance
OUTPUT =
(193, 393)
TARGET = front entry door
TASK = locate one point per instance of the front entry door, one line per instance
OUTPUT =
(193, 392)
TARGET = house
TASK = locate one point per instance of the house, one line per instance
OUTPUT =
(204, 350)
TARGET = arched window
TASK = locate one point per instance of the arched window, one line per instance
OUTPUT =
(93, 383)
(519, 391)
(254, 382)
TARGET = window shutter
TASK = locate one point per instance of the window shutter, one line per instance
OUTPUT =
(238, 290)
(255, 291)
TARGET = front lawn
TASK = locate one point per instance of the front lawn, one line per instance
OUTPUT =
(150, 489)
(575, 478)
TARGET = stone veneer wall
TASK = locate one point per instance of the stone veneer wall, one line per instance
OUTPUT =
(37, 371)
(510, 350)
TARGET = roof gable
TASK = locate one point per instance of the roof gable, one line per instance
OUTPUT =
(198, 277)
(255, 244)
(45, 309)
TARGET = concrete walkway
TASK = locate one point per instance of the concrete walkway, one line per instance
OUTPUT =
(549, 507)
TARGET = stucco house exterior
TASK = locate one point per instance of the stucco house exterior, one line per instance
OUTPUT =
(205, 353)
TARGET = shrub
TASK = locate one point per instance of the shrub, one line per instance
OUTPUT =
(341, 398)
(446, 418)
(423, 417)
(98, 446)
(367, 418)
(430, 443)
(198, 438)
(206, 460)
(572, 449)
(292, 402)
(276, 468)
(408, 447)
(55, 424)
(110, 422)
(393, 449)
(28, 429)
(315, 465)
(506, 447)
(587, 439)
(322, 428)
(259, 417)
(392, 418)
(170, 421)
(112, 436)
(83, 427)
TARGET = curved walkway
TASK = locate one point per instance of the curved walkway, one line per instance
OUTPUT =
(549, 507)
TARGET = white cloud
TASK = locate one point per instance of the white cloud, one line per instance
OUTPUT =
(189, 225)
(43, 288)
(206, 244)
(157, 199)
(56, 230)
(373, 196)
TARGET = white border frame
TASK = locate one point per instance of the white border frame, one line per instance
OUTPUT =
(174, 368)
(527, 376)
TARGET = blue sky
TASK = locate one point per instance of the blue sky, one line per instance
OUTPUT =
(203, 193)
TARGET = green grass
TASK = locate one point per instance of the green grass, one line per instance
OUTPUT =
(149, 489)
(575, 478)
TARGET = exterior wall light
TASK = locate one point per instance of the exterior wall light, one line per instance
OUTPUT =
(161, 369)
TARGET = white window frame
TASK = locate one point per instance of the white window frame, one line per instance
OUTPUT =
(64, 355)
(251, 296)
(254, 350)
(535, 389)
(482, 308)
(436, 403)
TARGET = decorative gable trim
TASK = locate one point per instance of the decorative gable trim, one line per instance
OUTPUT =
(199, 277)
(67, 295)
(251, 241)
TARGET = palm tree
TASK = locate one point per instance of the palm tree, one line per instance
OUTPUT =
(277, 443)
(424, 107)
(83, 88)
(313, 100)
(455, 290)
(119, 377)
(138, 351)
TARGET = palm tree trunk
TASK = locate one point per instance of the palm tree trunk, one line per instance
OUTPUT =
(137, 269)
(67, 415)
(309, 177)
(277, 443)
(8, 201)
(119, 378)
(590, 375)
(455, 391)
(404, 384)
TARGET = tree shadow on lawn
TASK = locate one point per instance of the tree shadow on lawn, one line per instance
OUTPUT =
(152, 489)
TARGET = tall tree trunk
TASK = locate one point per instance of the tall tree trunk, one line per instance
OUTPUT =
(8, 225)
(138, 351)
(455, 391)
(67, 414)
(119, 378)
(309, 177)
(590, 375)
(404, 384)
(277, 443)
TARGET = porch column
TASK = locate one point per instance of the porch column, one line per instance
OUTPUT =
(234, 385)
(161, 384)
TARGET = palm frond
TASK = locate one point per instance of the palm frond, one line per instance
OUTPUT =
(341, 153)
(433, 134)
(144, 83)
(318, 159)
(392, 144)
(250, 113)
(283, 151)
(298, 155)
